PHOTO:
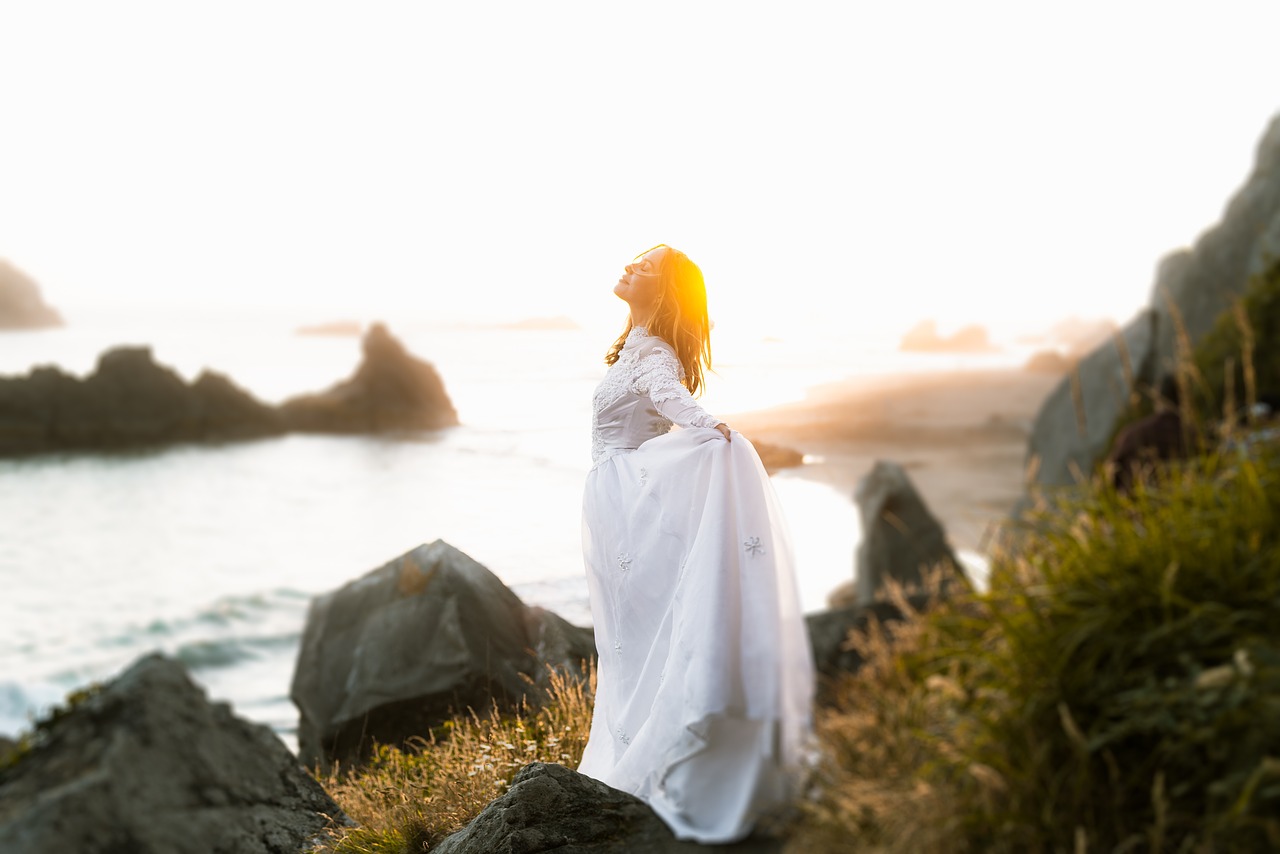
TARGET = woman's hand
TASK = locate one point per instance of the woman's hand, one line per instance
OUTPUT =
(724, 431)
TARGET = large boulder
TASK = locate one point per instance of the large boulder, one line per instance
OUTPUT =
(128, 400)
(557, 645)
(901, 540)
(21, 306)
(550, 808)
(396, 652)
(148, 764)
(391, 390)
(1074, 426)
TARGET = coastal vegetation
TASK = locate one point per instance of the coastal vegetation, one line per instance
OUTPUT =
(1117, 688)
(1237, 362)
(408, 800)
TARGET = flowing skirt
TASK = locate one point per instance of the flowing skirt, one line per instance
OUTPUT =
(705, 683)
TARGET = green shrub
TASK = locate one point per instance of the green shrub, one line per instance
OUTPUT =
(1118, 689)
(1139, 668)
(1246, 337)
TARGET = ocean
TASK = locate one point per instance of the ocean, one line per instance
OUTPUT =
(211, 553)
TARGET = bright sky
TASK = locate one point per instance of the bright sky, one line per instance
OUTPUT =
(849, 165)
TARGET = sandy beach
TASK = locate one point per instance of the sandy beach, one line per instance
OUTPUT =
(962, 437)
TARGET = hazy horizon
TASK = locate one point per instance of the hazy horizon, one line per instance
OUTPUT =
(832, 169)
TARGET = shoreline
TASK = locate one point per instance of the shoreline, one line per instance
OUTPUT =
(961, 436)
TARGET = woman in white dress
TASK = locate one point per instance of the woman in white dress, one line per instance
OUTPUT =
(703, 702)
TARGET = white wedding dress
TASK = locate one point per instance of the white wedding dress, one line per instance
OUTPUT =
(704, 694)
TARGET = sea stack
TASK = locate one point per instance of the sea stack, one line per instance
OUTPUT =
(21, 306)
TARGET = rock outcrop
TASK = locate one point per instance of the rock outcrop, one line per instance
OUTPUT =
(130, 400)
(391, 390)
(21, 306)
(901, 540)
(550, 808)
(1073, 429)
(777, 457)
(148, 764)
(1192, 289)
(395, 652)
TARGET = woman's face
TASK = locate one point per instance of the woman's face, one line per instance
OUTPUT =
(641, 282)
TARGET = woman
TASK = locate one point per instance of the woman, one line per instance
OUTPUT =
(705, 681)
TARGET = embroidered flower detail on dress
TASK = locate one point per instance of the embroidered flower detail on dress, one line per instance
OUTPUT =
(753, 547)
(622, 736)
(644, 475)
(617, 646)
(624, 562)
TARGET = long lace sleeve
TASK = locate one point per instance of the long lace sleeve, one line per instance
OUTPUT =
(658, 376)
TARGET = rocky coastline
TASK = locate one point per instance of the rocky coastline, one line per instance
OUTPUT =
(131, 401)
(146, 763)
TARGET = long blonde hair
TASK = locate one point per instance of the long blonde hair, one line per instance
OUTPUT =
(680, 317)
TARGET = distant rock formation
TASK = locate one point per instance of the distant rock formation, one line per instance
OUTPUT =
(336, 329)
(396, 652)
(391, 390)
(777, 457)
(901, 539)
(1192, 289)
(130, 401)
(549, 807)
(924, 337)
(21, 306)
(1048, 362)
(1079, 336)
(147, 763)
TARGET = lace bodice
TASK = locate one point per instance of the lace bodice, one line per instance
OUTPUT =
(641, 396)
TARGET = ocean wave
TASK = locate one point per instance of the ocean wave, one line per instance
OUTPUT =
(21, 703)
(207, 653)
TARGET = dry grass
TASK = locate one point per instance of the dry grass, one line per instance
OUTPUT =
(407, 801)
(893, 723)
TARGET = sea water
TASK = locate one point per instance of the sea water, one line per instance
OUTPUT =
(211, 552)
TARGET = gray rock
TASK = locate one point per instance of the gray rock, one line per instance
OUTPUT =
(148, 764)
(127, 401)
(901, 539)
(829, 633)
(550, 808)
(21, 306)
(1069, 437)
(557, 643)
(130, 400)
(1199, 285)
(391, 390)
(1192, 289)
(397, 651)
